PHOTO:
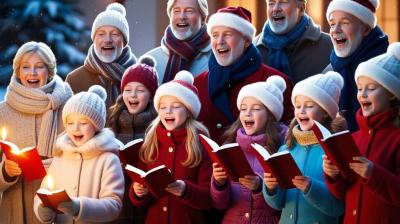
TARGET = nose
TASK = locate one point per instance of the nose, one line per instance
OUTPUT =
(363, 93)
(182, 14)
(276, 6)
(247, 112)
(336, 28)
(75, 126)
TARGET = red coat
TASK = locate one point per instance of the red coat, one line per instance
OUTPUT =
(215, 120)
(172, 209)
(377, 199)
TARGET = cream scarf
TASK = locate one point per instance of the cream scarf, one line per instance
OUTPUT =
(45, 101)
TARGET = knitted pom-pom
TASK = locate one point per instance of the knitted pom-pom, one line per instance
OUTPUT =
(148, 60)
(184, 76)
(98, 90)
(278, 81)
(117, 7)
(336, 77)
(394, 49)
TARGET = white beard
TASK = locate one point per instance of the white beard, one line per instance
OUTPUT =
(288, 24)
(233, 55)
(350, 47)
(106, 58)
(184, 35)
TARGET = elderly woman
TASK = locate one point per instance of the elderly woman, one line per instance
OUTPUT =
(31, 114)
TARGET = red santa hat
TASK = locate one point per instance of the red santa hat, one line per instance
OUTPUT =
(237, 18)
(362, 9)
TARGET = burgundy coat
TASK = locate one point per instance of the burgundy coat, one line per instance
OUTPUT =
(215, 120)
(173, 209)
(376, 199)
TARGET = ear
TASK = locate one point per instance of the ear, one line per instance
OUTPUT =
(367, 30)
(302, 7)
(247, 42)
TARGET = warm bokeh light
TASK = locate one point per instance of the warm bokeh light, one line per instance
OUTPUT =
(50, 182)
(3, 133)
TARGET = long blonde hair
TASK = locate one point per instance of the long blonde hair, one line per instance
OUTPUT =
(149, 151)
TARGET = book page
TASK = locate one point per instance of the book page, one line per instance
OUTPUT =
(155, 169)
(133, 142)
(135, 170)
(261, 150)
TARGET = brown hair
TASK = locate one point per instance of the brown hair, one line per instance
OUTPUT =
(114, 114)
(272, 133)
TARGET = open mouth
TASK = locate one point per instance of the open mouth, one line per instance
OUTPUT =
(278, 18)
(182, 25)
(366, 104)
(33, 81)
(133, 103)
(249, 123)
(108, 48)
(222, 51)
(304, 120)
(169, 120)
(340, 40)
(78, 137)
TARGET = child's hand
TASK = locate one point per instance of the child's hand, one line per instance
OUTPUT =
(329, 168)
(219, 174)
(45, 213)
(251, 182)
(140, 190)
(302, 183)
(176, 188)
(270, 182)
(362, 166)
(70, 207)
(12, 168)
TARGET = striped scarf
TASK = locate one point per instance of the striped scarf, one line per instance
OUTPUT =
(111, 73)
(182, 52)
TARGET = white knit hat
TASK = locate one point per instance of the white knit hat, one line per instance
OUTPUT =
(114, 15)
(362, 9)
(384, 69)
(183, 89)
(270, 93)
(237, 18)
(90, 104)
(324, 89)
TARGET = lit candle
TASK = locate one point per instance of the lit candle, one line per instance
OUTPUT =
(50, 183)
(3, 134)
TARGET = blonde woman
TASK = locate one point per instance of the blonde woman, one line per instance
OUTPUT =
(31, 114)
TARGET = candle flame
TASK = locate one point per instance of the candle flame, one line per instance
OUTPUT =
(3, 133)
(50, 182)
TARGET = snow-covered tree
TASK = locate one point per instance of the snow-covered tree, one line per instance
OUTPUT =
(58, 23)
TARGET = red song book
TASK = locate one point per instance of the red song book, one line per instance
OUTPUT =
(28, 160)
(281, 165)
(129, 153)
(155, 180)
(52, 199)
(229, 156)
(339, 147)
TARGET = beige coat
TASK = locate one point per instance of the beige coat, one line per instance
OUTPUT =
(91, 173)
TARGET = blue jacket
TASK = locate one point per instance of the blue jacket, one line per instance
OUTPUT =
(318, 205)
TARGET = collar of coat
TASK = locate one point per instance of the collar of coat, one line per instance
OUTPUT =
(104, 141)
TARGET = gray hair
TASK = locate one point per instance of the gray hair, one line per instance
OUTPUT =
(42, 50)
(202, 4)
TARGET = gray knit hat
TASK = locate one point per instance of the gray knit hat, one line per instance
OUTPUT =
(114, 15)
(90, 104)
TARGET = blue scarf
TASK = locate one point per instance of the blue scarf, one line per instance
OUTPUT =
(277, 57)
(221, 77)
(374, 44)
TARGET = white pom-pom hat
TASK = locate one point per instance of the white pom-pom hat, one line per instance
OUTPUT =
(183, 89)
(324, 89)
(384, 69)
(114, 15)
(269, 93)
(90, 104)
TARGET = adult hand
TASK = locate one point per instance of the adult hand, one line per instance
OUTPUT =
(12, 168)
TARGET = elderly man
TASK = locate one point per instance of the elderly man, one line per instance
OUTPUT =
(186, 44)
(235, 62)
(291, 42)
(356, 38)
(109, 55)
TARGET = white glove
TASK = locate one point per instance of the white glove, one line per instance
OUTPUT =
(70, 207)
(45, 213)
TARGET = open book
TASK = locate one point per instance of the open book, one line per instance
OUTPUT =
(129, 154)
(52, 199)
(155, 180)
(229, 156)
(339, 147)
(281, 165)
(28, 160)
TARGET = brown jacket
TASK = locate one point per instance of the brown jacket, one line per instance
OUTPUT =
(308, 56)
